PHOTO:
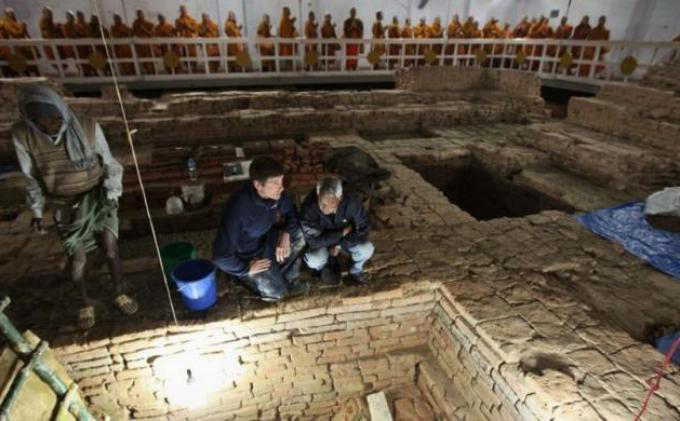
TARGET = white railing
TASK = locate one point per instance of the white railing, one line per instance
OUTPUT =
(142, 59)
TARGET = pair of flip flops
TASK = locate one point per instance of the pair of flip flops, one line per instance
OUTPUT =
(123, 302)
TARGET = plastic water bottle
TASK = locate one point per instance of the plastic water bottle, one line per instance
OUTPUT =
(191, 167)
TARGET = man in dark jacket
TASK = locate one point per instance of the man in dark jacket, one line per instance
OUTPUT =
(333, 222)
(259, 238)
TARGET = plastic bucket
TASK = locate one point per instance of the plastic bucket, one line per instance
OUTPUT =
(175, 253)
(197, 283)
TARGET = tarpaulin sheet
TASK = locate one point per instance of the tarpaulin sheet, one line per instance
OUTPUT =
(626, 224)
(664, 344)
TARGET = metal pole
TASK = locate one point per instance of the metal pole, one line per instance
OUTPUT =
(245, 19)
(219, 19)
(24, 351)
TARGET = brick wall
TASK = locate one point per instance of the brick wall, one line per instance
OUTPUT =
(279, 361)
(427, 79)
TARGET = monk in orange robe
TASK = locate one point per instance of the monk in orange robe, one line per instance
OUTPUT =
(94, 30)
(187, 27)
(311, 32)
(394, 33)
(521, 29)
(208, 29)
(598, 33)
(264, 30)
(563, 32)
(454, 31)
(142, 28)
(541, 30)
(353, 28)
(409, 49)
(437, 31)
(84, 51)
(15, 29)
(164, 29)
(232, 30)
(122, 51)
(378, 31)
(468, 33)
(493, 31)
(69, 31)
(328, 32)
(422, 31)
(49, 30)
(286, 30)
(580, 33)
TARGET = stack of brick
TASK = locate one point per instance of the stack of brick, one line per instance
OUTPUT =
(304, 163)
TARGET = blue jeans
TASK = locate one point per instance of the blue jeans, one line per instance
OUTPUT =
(274, 282)
(317, 259)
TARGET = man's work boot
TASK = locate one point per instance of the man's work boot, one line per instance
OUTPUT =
(361, 278)
(329, 277)
(297, 288)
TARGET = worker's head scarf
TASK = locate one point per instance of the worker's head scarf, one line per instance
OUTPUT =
(37, 101)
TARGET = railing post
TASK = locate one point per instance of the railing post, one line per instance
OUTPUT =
(204, 48)
(595, 60)
(57, 58)
(135, 59)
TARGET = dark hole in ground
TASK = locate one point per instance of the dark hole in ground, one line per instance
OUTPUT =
(557, 100)
(485, 195)
(8, 215)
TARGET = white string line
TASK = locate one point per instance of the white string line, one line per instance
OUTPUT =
(134, 159)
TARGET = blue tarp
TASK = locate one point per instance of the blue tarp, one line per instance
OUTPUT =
(626, 224)
(664, 344)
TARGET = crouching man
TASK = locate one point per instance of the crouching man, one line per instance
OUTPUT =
(259, 238)
(333, 222)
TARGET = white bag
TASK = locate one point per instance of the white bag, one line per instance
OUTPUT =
(664, 202)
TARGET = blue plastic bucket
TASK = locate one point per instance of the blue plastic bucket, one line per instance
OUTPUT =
(196, 283)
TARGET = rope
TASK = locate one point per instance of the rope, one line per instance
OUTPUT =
(654, 385)
(134, 159)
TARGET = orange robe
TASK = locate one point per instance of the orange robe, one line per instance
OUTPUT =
(286, 30)
(266, 48)
(562, 32)
(453, 31)
(378, 31)
(353, 29)
(598, 33)
(393, 32)
(580, 33)
(69, 31)
(123, 51)
(94, 31)
(409, 49)
(232, 30)
(311, 33)
(50, 30)
(84, 51)
(165, 30)
(142, 28)
(187, 27)
(422, 31)
(436, 31)
(328, 32)
(209, 30)
(17, 30)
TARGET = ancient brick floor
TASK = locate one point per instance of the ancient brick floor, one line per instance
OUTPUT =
(537, 316)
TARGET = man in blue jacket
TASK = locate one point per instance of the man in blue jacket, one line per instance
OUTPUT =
(259, 238)
(333, 222)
